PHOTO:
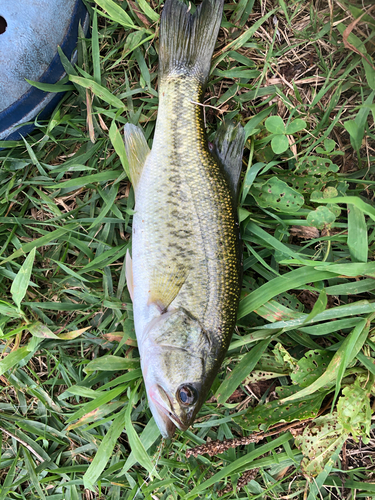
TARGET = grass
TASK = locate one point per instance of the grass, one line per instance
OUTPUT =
(290, 413)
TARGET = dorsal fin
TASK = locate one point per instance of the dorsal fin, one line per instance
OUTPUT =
(228, 146)
(137, 151)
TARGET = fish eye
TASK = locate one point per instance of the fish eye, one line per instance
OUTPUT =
(187, 395)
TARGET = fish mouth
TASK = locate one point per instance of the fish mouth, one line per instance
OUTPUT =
(160, 401)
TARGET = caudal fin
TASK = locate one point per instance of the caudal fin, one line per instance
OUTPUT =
(187, 40)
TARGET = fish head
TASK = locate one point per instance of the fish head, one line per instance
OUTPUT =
(178, 365)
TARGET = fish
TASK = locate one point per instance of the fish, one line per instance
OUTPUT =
(185, 272)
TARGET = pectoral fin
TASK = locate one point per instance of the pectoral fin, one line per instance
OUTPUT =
(137, 151)
(228, 147)
(166, 284)
(129, 274)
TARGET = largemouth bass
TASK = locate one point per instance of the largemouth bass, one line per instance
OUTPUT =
(185, 273)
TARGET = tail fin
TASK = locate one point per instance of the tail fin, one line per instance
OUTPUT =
(187, 40)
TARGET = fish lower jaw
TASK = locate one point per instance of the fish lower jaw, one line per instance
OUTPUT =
(164, 413)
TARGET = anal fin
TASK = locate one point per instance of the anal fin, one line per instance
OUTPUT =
(137, 151)
(129, 274)
(228, 147)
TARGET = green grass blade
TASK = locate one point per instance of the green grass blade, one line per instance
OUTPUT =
(104, 451)
(118, 144)
(95, 49)
(21, 281)
(140, 454)
(357, 234)
(97, 89)
(295, 279)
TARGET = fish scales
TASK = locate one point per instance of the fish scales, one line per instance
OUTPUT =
(185, 213)
(186, 271)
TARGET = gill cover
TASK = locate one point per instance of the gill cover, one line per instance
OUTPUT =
(177, 362)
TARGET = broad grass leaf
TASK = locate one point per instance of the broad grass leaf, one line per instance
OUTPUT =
(150, 13)
(269, 240)
(145, 74)
(13, 358)
(356, 135)
(118, 144)
(111, 363)
(40, 330)
(148, 437)
(347, 310)
(241, 371)
(357, 234)
(370, 73)
(319, 306)
(106, 258)
(104, 452)
(356, 127)
(100, 91)
(368, 363)
(9, 310)
(97, 415)
(275, 125)
(251, 173)
(73, 334)
(351, 270)
(117, 13)
(349, 350)
(107, 176)
(21, 281)
(51, 87)
(273, 311)
(288, 281)
(240, 72)
(354, 288)
(58, 306)
(264, 416)
(101, 399)
(41, 429)
(140, 454)
(95, 48)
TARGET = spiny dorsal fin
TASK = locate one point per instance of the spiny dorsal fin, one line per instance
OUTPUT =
(187, 40)
(137, 151)
(228, 147)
